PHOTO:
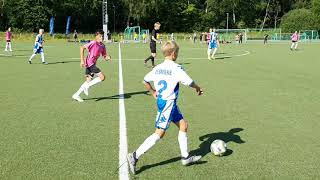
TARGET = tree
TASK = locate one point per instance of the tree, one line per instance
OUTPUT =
(299, 19)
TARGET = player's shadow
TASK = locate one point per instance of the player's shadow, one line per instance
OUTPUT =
(118, 96)
(62, 62)
(230, 136)
(225, 57)
(184, 63)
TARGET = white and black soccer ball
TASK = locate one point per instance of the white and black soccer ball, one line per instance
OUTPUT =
(218, 147)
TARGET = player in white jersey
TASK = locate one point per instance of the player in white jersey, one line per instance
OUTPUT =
(166, 78)
(213, 44)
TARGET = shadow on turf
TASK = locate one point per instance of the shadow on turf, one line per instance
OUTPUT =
(125, 96)
(62, 62)
(230, 136)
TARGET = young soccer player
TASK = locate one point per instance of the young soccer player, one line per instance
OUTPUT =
(95, 48)
(166, 78)
(295, 39)
(266, 36)
(8, 39)
(38, 47)
(213, 43)
(153, 43)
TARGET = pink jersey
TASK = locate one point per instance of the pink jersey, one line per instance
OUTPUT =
(8, 35)
(295, 37)
(95, 50)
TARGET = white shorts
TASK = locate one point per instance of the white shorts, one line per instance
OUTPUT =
(167, 111)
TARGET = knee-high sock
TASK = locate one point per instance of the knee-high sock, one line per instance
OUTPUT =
(147, 144)
(81, 89)
(152, 60)
(94, 81)
(183, 144)
(32, 56)
(150, 57)
(292, 45)
(42, 57)
(7, 44)
(296, 45)
(214, 52)
(10, 46)
(209, 52)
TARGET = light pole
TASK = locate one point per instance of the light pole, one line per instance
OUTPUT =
(105, 19)
(227, 22)
(114, 18)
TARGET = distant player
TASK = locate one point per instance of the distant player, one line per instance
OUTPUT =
(266, 36)
(294, 38)
(213, 43)
(38, 47)
(144, 37)
(172, 37)
(166, 78)
(8, 39)
(75, 36)
(95, 49)
(153, 44)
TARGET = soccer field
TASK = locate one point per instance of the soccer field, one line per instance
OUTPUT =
(262, 100)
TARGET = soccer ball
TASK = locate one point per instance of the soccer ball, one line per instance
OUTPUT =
(218, 147)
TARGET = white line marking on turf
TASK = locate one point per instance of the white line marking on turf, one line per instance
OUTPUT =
(123, 146)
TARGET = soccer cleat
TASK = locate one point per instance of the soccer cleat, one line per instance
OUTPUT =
(209, 57)
(86, 90)
(29, 62)
(212, 58)
(77, 98)
(45, 63)
(190, 160)
(132, 161)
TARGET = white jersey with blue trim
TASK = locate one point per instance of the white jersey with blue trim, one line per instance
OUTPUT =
(213, 37)
(166, 78)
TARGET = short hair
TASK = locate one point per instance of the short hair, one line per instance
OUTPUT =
(99, 31)
(157, 24)
(169, 47)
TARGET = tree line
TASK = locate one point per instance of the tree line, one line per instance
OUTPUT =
(174, 15)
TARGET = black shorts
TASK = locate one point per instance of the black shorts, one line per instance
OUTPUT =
(92, 70)
(153, 47)
(294, 41)
(8, 40)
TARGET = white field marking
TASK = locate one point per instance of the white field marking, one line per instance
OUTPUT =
(128, 59)
(123, 146)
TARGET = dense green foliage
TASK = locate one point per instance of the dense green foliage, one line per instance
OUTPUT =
(175, 15)
(299, 19)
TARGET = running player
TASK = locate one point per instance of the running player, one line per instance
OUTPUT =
(153, 44)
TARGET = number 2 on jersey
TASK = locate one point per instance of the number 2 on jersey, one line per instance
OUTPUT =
(164, 83)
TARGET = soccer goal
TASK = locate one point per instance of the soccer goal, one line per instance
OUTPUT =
(232, 35)
(132, 34)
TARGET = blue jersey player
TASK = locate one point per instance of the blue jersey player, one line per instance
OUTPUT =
(166, 78)
(38, 47)
(213, 44)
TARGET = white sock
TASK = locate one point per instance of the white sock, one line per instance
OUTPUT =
(292, 45)
(147, 144)
(42, 57)
(94, 81)
(80, 89)
(209, 52)
(183, 143)
(6, 47)
(214, 52)
(10, 46)
(32, 56)
(296, 46)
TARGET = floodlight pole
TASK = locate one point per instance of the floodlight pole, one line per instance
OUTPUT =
(114, 18)
(105, 19)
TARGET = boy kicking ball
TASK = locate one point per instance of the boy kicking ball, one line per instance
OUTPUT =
(166, 78)
(95, 48)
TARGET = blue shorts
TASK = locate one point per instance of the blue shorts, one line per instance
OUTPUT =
(212, 45)
(167, 111)
(37, 49)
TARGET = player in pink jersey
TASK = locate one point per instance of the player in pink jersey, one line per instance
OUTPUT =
(95, 49)
(295, 38)
(8, 39)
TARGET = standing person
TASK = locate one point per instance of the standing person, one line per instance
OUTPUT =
(8, 39)
(172, 37)
(194, 37)
(294, 38)
(153, 44)
(75, 36)
(213, 43)
(166, 78)
(240, 38)
(38, 47)
(95, 49)
(266, 36)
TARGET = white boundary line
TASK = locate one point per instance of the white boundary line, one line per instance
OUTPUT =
(191, 58)
(123, 145)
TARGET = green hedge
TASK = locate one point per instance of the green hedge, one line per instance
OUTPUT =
(299, 19)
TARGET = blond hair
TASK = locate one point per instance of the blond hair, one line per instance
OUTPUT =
(169, 47)
(157, 24)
